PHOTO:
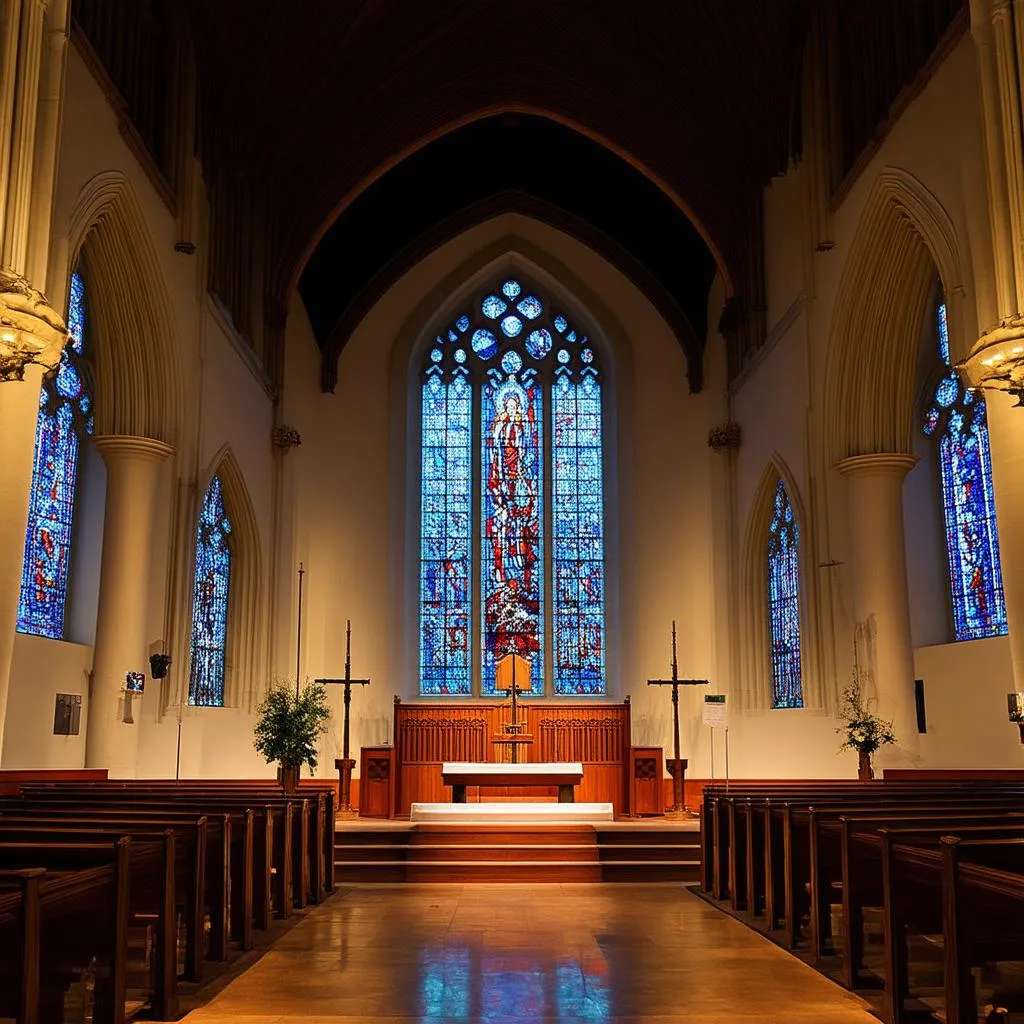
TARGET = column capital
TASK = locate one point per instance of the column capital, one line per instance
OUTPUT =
(115, 447)
(31, 331)
(997, 361)
(877, 464)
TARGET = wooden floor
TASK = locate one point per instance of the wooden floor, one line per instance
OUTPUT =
(598, 954)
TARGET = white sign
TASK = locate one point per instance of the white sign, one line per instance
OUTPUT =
(715, 714)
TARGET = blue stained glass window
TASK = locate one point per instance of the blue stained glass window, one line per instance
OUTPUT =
(958, 419)
(445, 537)
(210, 601)
(512, 570)
(64, 417)
(784, 602)
(577, 483)
(485, 477)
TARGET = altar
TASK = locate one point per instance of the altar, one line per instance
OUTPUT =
(488, 774)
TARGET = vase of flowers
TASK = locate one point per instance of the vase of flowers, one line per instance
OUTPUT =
(290, 722)
(864, 732)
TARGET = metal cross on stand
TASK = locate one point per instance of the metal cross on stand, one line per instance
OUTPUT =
(345, 764)
(678, 765)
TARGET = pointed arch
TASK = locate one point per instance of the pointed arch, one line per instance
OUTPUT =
(756, 637)
(137, 371)
(903, 238)
(245, 647)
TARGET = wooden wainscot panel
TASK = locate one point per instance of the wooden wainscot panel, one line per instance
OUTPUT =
(597, 735)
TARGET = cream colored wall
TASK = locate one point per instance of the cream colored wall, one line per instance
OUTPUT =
(226, 403)
(354, 482)
(779, 404)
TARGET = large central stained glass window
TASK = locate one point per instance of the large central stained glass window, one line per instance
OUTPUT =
(511, 500)
(957, 418)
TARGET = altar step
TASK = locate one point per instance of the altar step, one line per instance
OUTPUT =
(481, 853)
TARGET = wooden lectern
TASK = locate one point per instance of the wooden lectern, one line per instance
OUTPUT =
(509, 675)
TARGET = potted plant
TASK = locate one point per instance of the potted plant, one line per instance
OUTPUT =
(290, 722)
(865, 732)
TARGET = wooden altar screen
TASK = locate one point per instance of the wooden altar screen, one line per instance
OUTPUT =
(598, 735)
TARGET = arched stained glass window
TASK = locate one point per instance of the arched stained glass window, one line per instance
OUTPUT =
(784, 602)
(515, 382)
(210, 601)
(65, 416)
(957, 418)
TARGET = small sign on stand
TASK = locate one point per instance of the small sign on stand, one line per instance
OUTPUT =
(716, 716)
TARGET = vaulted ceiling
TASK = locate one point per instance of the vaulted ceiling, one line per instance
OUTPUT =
(654, 123)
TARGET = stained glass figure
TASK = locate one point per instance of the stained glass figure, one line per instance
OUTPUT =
(577, 484)
(519, 588)
(784, 602)
(210, 601)
(957, 417)
(445, 538)
(511, 553)
(65, 416)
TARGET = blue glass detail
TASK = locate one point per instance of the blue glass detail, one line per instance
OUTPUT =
(563, 356)
(511, 326)
(972, 538)
(210, 601)
(484, 343)
(512, 576)
(531, 307)
(511, 362)
(587, 355)
(63, 419)
(462, 324)
(460, 356)
(784, 603)
(947, 391)
(436, 355)
(510, 289)
(445, 534)
(561, 323)
(577, 482)
(538, 343)
(452, 336)
(492, 307)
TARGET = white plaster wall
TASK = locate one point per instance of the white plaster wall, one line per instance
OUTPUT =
(226, 403)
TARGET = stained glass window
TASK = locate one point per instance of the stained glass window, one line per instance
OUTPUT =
(535, 424)
(957, 418)
(65, 416)
(784, 602)
(210, 601)
(446, 512)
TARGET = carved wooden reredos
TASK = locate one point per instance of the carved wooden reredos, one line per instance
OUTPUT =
(425, 735)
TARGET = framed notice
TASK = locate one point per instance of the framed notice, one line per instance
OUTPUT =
(715, 713)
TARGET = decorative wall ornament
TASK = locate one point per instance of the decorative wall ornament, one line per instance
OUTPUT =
(285, 437)
(30, 330)
(725, 437)
(997, 363)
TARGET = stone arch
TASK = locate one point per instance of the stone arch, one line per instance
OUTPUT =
(245, 659)
(137, 371)
(904, 237)
(756, 671)
(513, 253)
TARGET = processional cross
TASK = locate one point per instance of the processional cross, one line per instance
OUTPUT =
(345, 764)
(675, 682)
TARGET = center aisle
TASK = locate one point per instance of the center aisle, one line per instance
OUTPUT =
(549, 953)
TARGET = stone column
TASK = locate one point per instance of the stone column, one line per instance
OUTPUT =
(31, 338)
(133, 466)
(878, 571)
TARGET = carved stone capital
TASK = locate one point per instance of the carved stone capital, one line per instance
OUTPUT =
(285, 437)
(997, 362)
(30, 330)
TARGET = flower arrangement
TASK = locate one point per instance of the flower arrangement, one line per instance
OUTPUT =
(290, 722)
(865, 732)
(726, 437)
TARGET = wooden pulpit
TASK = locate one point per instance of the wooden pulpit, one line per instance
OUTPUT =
(376, 782)
(646, 789)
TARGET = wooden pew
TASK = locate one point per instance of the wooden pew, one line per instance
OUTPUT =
(20, 922)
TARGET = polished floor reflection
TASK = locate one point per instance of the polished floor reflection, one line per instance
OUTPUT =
(595, 954)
